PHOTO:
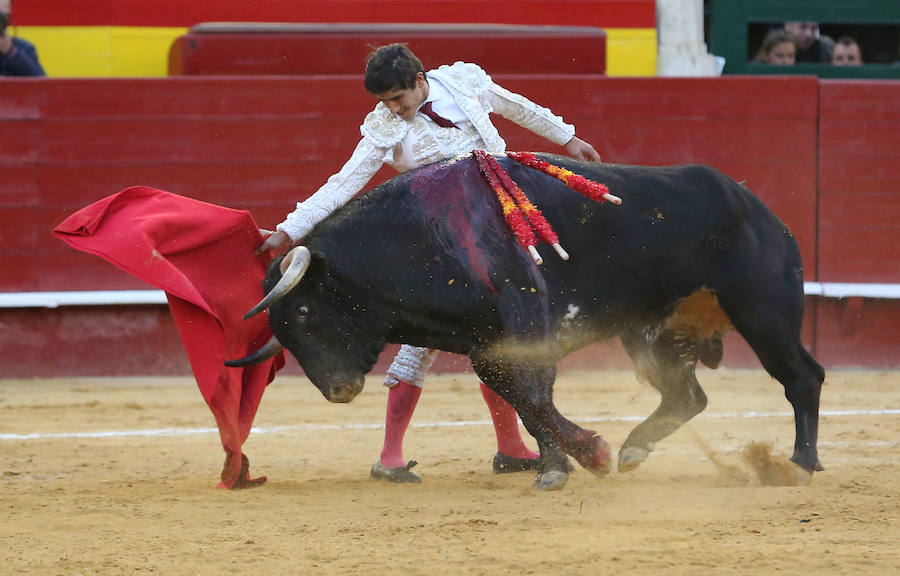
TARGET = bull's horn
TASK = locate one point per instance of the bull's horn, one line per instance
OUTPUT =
(293, 267)
(271, 348)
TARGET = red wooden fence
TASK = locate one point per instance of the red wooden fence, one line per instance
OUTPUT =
(310, 49)
(819, 153)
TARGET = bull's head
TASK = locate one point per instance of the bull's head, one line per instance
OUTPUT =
(309, 321)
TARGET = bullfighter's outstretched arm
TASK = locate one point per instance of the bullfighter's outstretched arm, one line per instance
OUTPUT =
(540, 120)
(339, 189)
(382, 131)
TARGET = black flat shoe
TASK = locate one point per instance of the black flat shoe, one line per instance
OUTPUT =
(504, 464)
(399, 474)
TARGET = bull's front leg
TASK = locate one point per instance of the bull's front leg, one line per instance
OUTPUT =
(529, 389)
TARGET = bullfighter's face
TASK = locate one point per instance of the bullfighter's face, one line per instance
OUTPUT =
(405, 102)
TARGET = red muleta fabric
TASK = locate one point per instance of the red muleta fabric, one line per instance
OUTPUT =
(201, 255)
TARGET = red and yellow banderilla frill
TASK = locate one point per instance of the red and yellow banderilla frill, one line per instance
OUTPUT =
(521, 215)
(594, 190)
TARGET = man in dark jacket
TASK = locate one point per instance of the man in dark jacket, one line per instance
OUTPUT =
(18, 57)
(812, 47)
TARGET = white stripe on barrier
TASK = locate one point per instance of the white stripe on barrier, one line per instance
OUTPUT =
(851, 290)
(276, 429)
(143, 297)
(90, 298)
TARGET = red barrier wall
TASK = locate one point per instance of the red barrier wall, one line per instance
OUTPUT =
(859, 219)
(308, 49)
(261, 143)
(859, 181)
(858, 332)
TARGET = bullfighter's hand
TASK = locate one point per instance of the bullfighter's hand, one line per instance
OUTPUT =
(274, 241)
(578, 148)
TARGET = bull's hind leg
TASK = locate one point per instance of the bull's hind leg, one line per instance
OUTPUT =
(667, 362)
(802, 378)
(773, 331)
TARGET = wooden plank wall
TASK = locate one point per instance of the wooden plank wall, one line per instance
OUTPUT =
(309, 49)
(859, 218)
(132, 38)
(859, 181)
(262, 143)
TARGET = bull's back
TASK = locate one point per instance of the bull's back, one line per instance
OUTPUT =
(678, 230)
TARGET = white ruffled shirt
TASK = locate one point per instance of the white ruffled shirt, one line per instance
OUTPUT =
(464, 94)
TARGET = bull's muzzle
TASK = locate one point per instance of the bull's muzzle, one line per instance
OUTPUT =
(343, 392)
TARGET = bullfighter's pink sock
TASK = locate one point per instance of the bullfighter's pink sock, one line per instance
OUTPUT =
(402, 400)
(506, 425)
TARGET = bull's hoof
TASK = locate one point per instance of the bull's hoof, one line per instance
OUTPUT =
(598, 459)
(795, 474)
(802, 476)
(632, 457)
(807, 464)
(552, 480)
(784, 473)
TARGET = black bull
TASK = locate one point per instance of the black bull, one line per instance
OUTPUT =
(427, 259)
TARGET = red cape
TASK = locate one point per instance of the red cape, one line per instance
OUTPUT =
(201, 255)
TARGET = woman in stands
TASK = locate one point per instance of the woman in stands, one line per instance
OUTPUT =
(778, 47)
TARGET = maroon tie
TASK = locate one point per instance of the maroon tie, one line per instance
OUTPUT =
(439, 120)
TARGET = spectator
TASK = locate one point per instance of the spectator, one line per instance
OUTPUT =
(846, 52)
(18, 57)
(777, 48)
(812, 47)
(423, 117)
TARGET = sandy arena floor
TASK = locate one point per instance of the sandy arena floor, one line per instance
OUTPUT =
(104, 476)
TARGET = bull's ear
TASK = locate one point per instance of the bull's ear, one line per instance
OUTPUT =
(298, 260)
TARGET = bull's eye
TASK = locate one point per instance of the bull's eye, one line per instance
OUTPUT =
(303, 312)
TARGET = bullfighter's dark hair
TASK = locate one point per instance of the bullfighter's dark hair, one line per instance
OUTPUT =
(391, 67)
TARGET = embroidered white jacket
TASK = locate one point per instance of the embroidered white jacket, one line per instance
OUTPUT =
(388, 139)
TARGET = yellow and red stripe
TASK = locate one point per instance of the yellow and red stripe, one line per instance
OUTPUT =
(133, 37)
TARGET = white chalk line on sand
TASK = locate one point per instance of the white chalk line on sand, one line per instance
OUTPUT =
(356, 426)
